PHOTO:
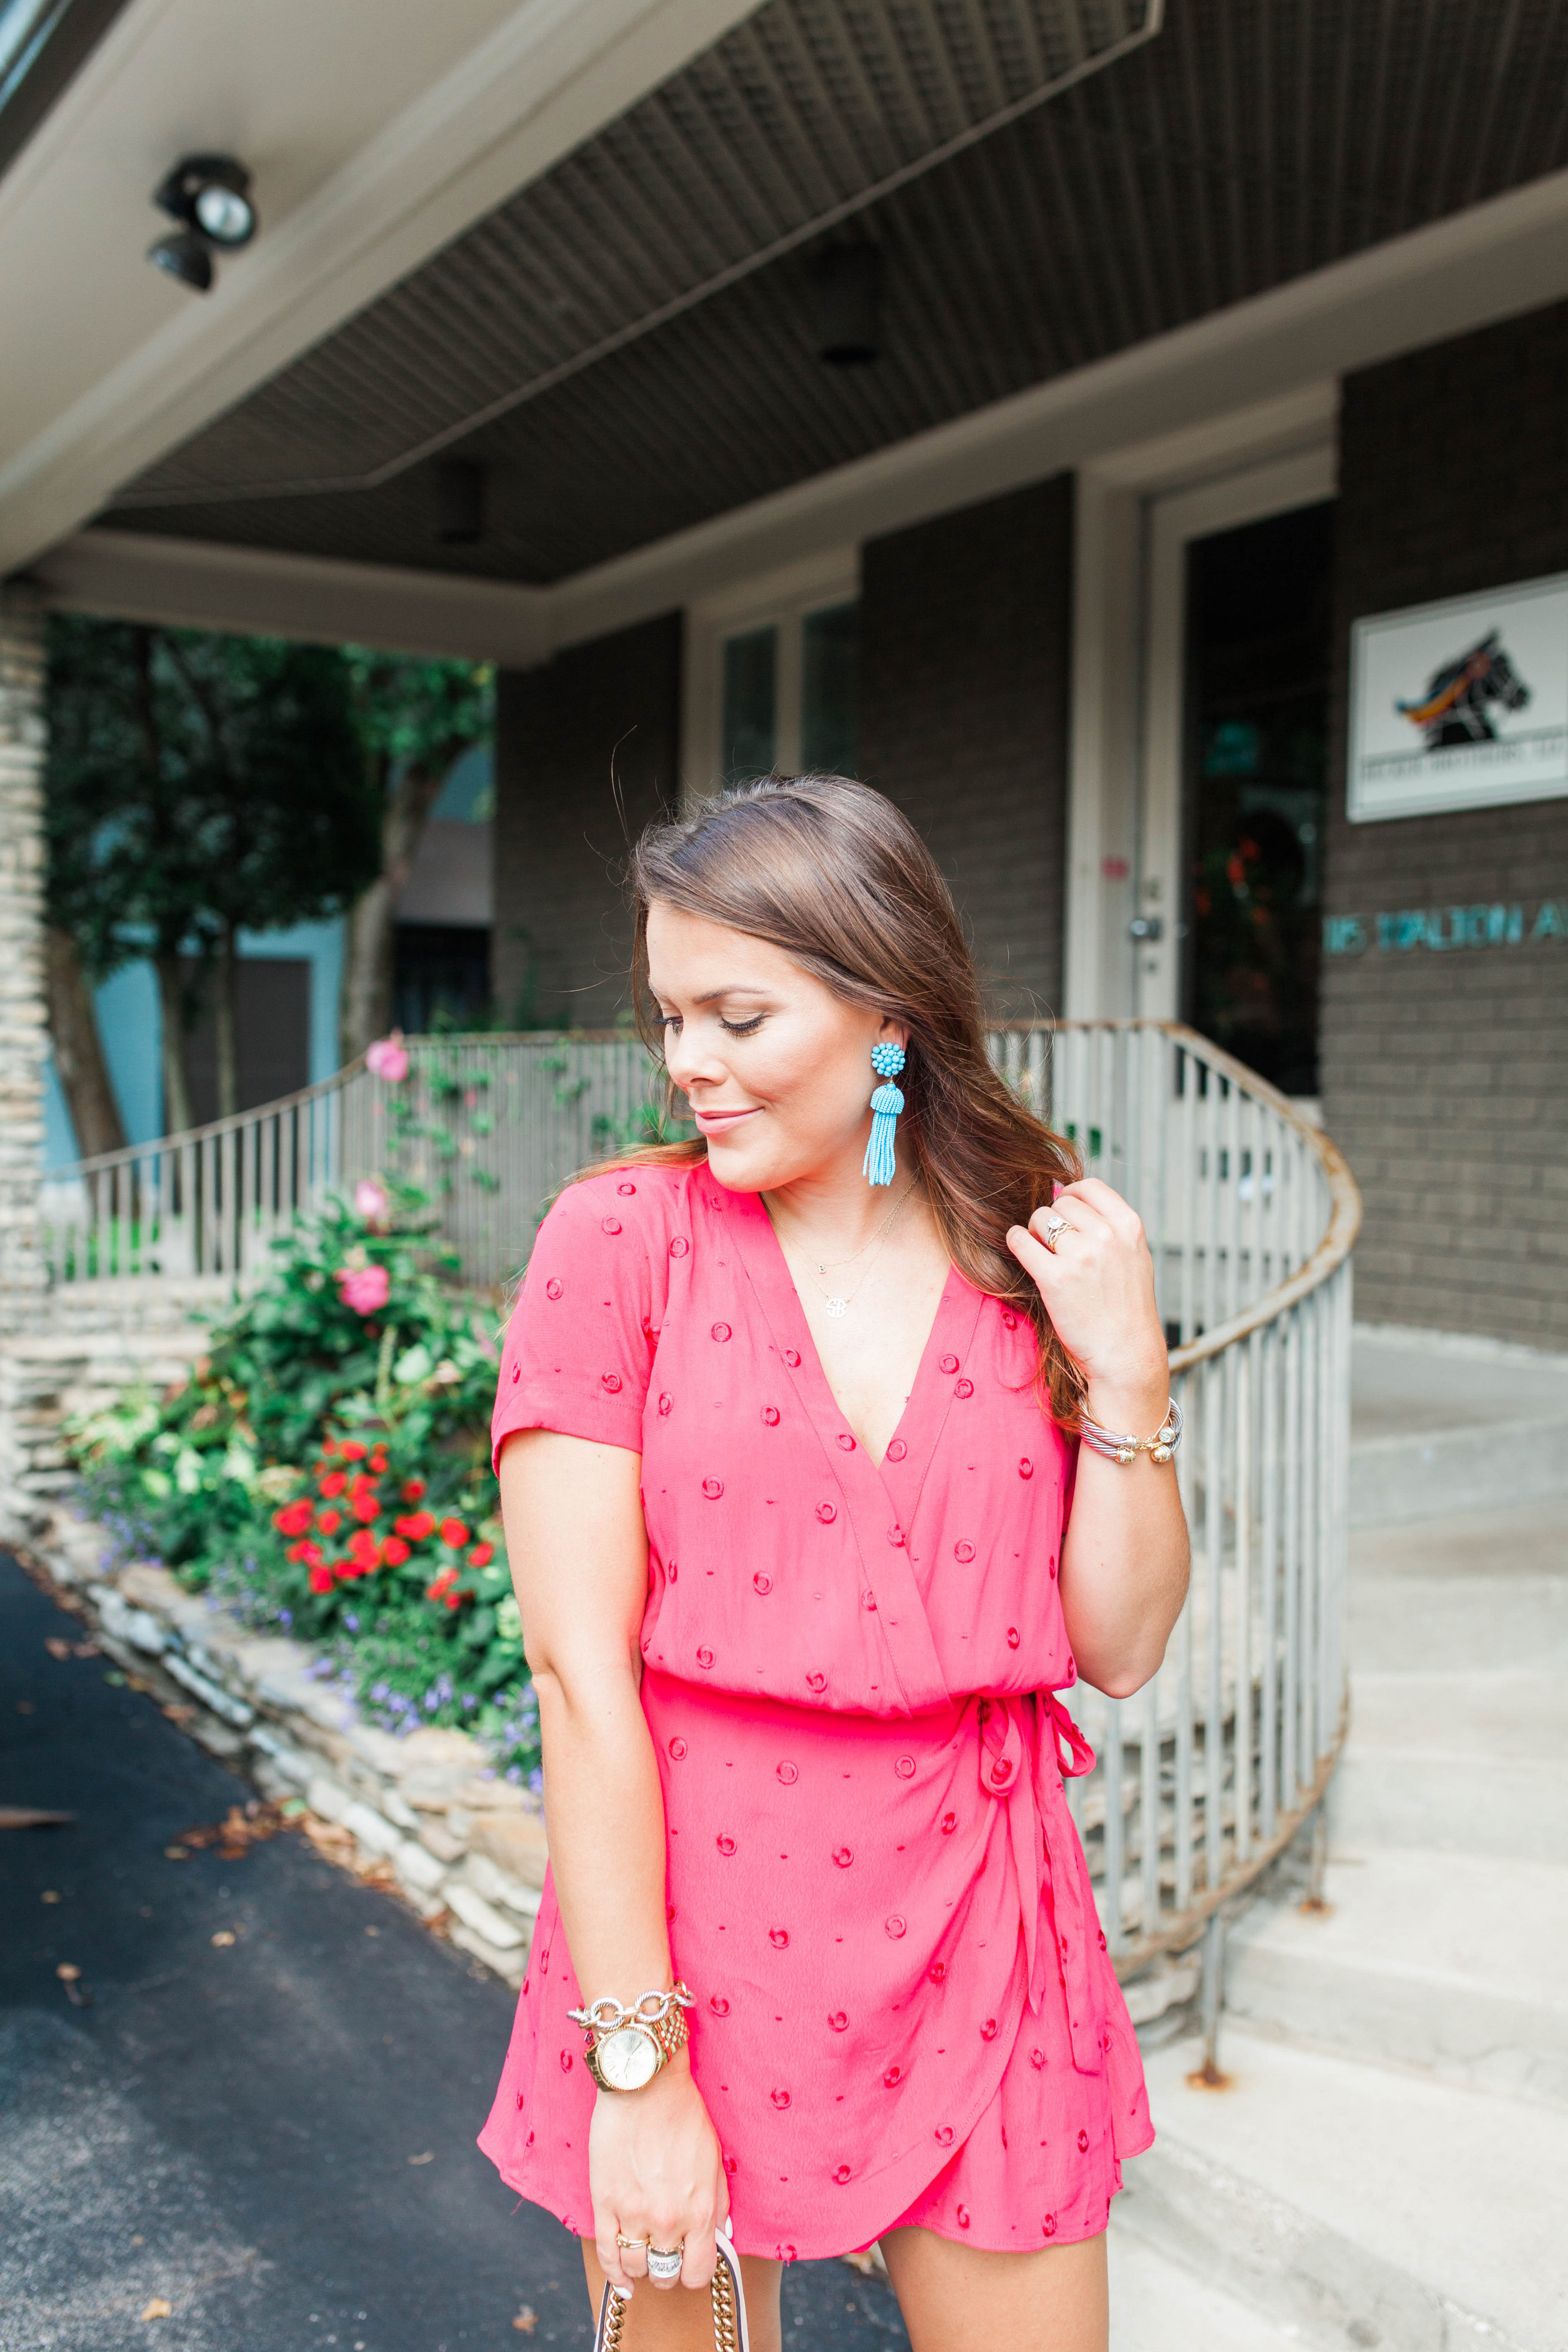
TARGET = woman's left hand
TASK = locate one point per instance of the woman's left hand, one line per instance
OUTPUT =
(1098, 1284)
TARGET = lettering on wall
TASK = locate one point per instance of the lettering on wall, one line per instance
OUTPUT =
(1461, 704)
(1441, 929)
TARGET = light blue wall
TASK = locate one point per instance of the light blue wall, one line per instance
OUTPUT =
(131, 1030)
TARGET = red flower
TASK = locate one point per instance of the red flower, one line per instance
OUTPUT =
(293, 1518)
(321, 1579)
(379, 1463)
(352, 1451)
(481, 1556)
(454, 1532)
(310, 1553)
(411, 1489)
(394, 1551)
(440, 1584)
(365, 1508)
(329, 1445)
(455, 1599)
(415, 1526)
(363, 1547)
(329, 1522)
(334, 1482)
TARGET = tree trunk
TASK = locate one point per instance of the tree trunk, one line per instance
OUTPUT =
(367, 999)
(78, 1050)
(226, 980)
(176, 1079)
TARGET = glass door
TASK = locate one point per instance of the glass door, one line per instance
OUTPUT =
(1258, 636)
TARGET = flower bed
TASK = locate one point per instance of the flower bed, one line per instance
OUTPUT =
(325, 1473)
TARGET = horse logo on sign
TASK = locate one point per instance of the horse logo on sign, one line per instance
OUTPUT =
(1455, 708)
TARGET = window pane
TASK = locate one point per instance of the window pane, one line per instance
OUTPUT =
(830, 690)
(750, 713)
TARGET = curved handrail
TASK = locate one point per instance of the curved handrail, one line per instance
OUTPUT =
(1252, 1215)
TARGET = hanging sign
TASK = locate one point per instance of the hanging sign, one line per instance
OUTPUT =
(1460, 704)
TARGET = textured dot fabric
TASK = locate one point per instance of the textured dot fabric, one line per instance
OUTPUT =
(905, 2011)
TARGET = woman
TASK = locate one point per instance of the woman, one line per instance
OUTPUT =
(785, 1470)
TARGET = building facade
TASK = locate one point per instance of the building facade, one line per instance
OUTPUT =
(1176, 529)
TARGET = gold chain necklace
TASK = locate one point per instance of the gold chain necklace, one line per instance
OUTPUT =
(838, 1302)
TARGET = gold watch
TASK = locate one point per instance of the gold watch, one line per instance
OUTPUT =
(625, 2047)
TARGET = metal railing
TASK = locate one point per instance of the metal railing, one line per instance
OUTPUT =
(1212, 1768)
(1250, 1213)
(488, 1126)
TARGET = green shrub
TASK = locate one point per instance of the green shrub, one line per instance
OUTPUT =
(351, 1351)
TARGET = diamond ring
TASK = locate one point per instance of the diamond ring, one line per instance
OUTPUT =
(664, 2262)
(1055, 1226)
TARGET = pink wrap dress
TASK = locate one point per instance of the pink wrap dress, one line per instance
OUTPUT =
(904, 2008)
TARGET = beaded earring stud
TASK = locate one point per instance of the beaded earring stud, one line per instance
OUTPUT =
(887, 1102)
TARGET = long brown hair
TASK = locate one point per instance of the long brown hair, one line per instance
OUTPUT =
(833, 873)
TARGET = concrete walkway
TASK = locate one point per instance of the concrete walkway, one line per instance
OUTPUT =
(272, 2132)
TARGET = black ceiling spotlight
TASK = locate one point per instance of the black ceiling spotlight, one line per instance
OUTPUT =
(459, 501)
(210, 196)
(846, 281)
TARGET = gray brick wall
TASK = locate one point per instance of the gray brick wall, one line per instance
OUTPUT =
(1443, 1074)
(966, 628)
(598, 716)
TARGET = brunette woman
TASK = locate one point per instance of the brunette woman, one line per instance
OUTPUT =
(813, 1496)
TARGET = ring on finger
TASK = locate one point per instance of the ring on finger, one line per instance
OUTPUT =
(627, 2244)
(664, 2262)
(1055, 1228)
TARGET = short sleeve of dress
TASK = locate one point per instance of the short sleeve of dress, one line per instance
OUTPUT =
(580, 1344)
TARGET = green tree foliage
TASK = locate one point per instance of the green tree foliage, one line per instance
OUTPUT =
(199, 784)
(416, 719)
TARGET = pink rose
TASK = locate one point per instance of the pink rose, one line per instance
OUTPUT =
(372, 1201)
(365, 1288)
(387, 1059)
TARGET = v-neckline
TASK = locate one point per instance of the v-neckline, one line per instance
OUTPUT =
(952, 1327)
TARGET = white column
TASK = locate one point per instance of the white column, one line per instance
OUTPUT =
(24, 1035)
(1102, 799)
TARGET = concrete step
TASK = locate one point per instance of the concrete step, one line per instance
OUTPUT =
(1451, 1963)
(1474, 1763)
(1355, 2204)
(1443, 1423)
(1159, 2306)
(1482, 1590)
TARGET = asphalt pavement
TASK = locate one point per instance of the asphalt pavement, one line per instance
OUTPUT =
(257, 2102)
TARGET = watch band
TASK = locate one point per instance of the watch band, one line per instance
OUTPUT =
(667, 2033)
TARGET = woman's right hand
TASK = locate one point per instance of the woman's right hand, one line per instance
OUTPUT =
(655, 2171)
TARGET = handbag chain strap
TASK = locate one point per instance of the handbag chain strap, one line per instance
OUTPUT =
(725, 2335)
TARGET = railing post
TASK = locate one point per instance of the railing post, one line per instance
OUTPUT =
(1212, 1997)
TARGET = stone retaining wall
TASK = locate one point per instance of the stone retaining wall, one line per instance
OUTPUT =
(464, 1846)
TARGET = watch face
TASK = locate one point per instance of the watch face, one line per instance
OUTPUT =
(628, 2058)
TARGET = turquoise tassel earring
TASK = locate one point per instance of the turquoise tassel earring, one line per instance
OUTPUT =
(885, 1103)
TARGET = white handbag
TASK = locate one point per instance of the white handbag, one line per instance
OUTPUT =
(728, 2306)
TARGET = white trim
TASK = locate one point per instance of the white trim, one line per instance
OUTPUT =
(547, 78)
(187, 583)
(1174, 520)
(782, 595)
(1108, 680)
(1102, 809)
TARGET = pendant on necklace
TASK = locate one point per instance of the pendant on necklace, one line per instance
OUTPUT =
(838, 1306)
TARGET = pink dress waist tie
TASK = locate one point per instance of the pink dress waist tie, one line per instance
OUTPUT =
(1046, 1852)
